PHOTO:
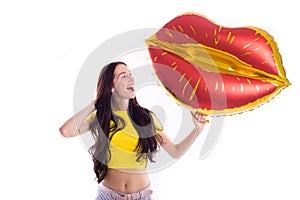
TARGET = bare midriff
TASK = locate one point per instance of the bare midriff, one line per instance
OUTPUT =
(126, 181)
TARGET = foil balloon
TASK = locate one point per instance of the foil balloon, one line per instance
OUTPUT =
(216, 70)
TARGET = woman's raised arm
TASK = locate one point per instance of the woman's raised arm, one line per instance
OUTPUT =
(177, 150)
(78, 123)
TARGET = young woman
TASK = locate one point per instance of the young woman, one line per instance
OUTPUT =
(127, 136)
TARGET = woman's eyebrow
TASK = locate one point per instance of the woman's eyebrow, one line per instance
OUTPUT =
(121, 73)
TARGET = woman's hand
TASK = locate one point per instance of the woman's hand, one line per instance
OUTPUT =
(199, 119)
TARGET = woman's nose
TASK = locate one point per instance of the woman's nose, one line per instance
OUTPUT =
(131, 79)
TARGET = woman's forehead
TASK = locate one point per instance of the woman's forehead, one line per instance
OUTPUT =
(120, 69)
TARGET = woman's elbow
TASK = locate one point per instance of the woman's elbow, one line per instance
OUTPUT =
(65, 132)
(175, 156)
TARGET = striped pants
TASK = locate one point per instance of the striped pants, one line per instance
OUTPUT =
(106, 193)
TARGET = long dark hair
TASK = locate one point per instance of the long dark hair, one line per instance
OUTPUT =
(103, 132)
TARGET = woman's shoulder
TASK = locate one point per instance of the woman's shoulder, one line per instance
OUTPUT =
(91, 116)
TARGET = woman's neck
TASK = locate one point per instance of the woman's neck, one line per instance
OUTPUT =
(119, 104)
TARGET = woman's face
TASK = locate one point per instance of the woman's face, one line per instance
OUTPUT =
(123, 83)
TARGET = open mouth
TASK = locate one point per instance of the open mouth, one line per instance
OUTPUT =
(216, 70)
(131, 88)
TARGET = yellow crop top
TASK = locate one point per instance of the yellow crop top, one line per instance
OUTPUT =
(124, 142)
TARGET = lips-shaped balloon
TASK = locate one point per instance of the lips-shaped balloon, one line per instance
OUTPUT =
(216, 70)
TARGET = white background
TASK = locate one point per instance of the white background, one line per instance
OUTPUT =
(42, 47)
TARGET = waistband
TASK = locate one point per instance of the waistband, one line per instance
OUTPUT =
(125, 196)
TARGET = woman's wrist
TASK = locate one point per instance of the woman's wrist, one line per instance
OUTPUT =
(198, 129)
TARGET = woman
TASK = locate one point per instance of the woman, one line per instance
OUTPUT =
(127, 136)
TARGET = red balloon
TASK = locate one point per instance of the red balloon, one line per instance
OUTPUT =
(216, 70)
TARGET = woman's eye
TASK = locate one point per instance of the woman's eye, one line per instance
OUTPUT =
(126, 76)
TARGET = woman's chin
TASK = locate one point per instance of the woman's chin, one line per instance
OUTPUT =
(132, 96)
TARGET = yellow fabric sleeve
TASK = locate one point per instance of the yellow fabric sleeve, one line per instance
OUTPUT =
(157, 125)
(91, 116)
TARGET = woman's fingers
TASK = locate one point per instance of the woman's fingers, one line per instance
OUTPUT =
(199, 118)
